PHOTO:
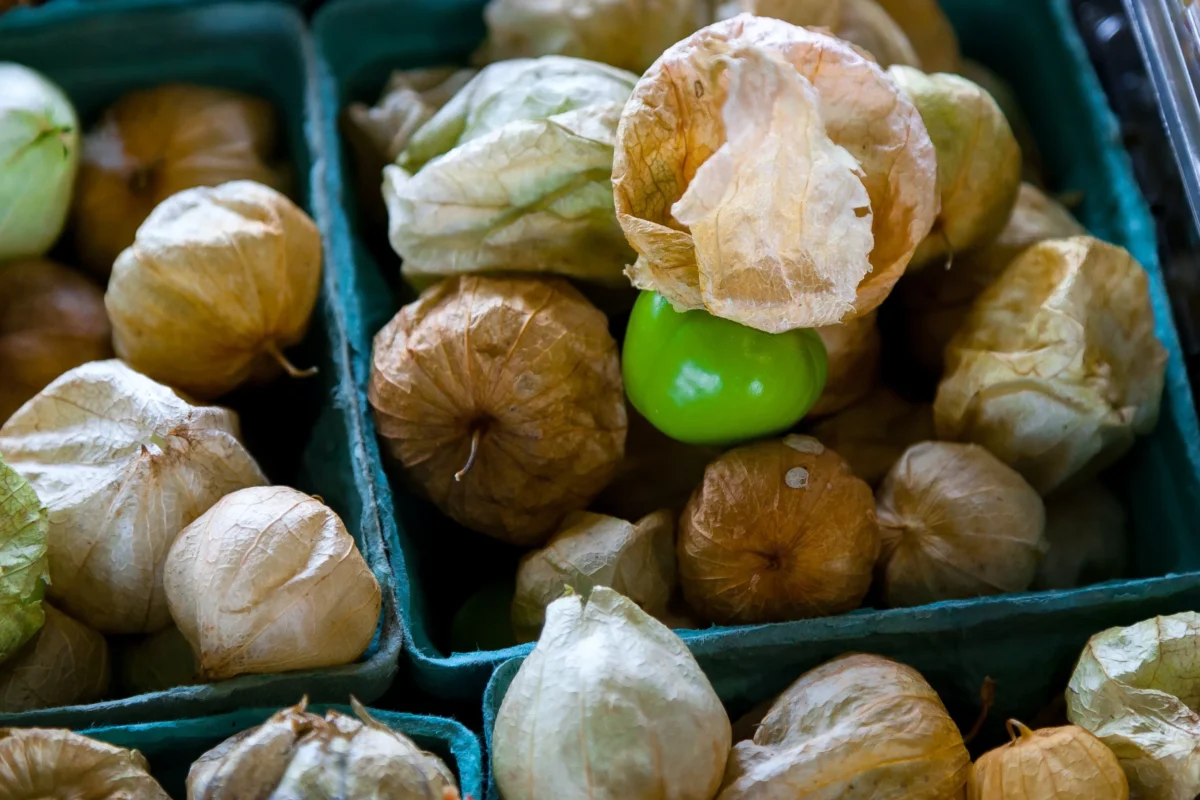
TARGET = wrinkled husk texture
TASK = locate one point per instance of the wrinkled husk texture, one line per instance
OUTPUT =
(528, 365)
(1136, 688)
(853, 350)
(1056, 370)
(956, 522)
(155, 142)
(1087, 538)
(66, 664)
(872, 435)
(217, 284)
(609, 705)
(773, 175)
(24, 568)
(860, 727)
(589, 550)
(122, 464)
(778, 530)
(861, 22)
(1065, 763)
(40, 763)
(269, 580)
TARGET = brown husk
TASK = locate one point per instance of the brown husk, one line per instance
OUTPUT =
(65, 664)
(1066, 763)
(41, 763)
(853, 349)
(873, 434)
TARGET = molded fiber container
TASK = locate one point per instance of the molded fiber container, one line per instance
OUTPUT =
(171, 747)
(311, 434)
(1031, 43)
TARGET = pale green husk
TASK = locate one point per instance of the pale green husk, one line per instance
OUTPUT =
(24, 571)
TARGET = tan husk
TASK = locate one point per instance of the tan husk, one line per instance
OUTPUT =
(51, 319)
(590, 550)
(860, 727)
(123, 464)
(40, 763)
(873, 434)
(1056, 369)
(778, 530)
(65, 664)
(713, 211)
(1085, 533)
(219, 282)
(1066, 763)
(956, 522)
(511, 385)
(928, 30)
(153, 143)
(269, 580)
(853, 350)
(296, 753)
(861, 22)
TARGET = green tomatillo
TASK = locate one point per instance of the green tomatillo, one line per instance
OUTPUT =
(702, 379)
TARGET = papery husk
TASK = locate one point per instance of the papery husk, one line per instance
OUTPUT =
(66, 664)
(589, 550)
(853, 350)
(219, 282)
(929, 31)
(1006, 97)
(860, 727)
(24, 526)
(530, 367)
(1087, 538)
(812, 118)
(956, 522)
(296, 753)
(153, 143)
(161, 661)
(978, 162)
(1066, 763)
(123, 464)
(861, 22)
(40, 763)
(937, 300)
(1135, 688)
(52, 318)
(872, 435)
(629, 34)
(269, 580)
(610, 704)
(1056, 370)
(778, 530)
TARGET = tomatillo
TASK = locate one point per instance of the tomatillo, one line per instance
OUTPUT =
(706, 380)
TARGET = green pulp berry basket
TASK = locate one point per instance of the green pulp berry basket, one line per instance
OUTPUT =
(311, 434)
(1031, 43)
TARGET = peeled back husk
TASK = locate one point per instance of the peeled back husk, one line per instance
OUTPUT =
(1056, 370)
(269, 580)
(610, 705)
(1087, 538)
(66, 664)
(41, 763)
(24, 526)
(1136, 689)
(860, 727)
(873, 434)
(772, 175)
(853, 350)
(590, 550)
(219, 282)
(123, 464)
(1065, 763)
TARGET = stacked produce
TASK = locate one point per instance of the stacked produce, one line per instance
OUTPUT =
(130, 507)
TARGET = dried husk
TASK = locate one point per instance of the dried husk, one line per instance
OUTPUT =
(66, 664)
(523, 372)
(1066, 763)
(860, 727)
(956, 522)
(1087, 539)
(122, 464)
(629, 34)
(929, 31)
(861, 22)
(589, 550)
(40, 763)
(853, 350)
(24, 573)
(609, 705)
(1056, 369)
(161, 661)
(778, 530)
(1136, 689)
(1006, 97)
(872, 435)
(269, 580)
(296, 753)
(219, 282)
(773, 175)
(978, 162)
(936, 301)
(153, 143)
(51, 319)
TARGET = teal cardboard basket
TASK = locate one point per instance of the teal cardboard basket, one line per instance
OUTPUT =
(312, 434)
(1035, 46)
(171, 747)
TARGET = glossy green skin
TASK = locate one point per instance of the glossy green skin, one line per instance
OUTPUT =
(706, 380)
